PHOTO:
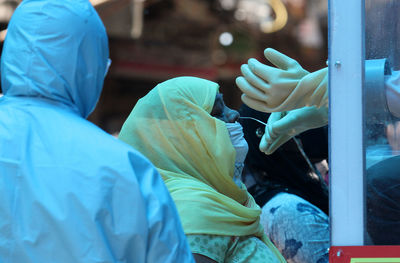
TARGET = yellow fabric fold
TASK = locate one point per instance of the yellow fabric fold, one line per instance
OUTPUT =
(173, 128)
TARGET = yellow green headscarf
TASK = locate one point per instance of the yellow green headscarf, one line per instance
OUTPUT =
(173, 128)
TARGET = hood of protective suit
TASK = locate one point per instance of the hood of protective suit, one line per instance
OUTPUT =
(59, 55)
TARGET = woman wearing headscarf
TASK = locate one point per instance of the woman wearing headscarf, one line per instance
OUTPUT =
(187, 132)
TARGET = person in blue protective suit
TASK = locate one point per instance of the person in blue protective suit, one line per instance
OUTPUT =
(69, 192)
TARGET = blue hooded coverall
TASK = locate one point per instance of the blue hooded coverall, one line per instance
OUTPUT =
(69, 192)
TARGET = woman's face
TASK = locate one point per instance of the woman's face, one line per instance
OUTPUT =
(222, 112)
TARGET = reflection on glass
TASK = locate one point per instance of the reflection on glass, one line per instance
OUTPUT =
(382, 122)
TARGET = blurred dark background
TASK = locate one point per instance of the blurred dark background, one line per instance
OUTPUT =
(154, 40)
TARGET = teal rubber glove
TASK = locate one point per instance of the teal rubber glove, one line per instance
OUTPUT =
(282, 126)
(284, 87)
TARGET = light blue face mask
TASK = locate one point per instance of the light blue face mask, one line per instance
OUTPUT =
(240, 144)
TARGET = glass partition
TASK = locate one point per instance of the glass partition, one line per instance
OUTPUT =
(381, 103)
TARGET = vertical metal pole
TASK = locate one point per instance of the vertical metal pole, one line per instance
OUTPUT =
(346, 75)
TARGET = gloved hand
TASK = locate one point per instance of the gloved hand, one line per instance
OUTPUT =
(282, 126)
(284, 87)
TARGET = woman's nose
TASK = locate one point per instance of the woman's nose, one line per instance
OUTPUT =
(232, 115)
